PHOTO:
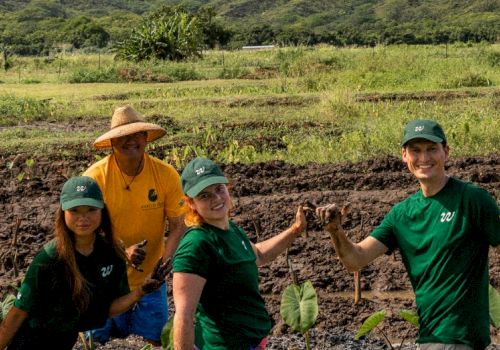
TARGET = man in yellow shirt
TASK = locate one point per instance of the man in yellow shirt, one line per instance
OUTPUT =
(142, 193)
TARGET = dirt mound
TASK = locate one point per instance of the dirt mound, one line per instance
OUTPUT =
(265, 196)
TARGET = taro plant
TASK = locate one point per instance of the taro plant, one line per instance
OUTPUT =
(377, 317)
(6, 305)
(167, 334)
(494, 300)
(299, 308)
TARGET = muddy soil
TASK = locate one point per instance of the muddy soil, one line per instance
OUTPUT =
(265, 196)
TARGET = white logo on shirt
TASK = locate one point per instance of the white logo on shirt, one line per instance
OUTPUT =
(244, 246)
(447, 216)
(199, 171)
(18, 296)
(105, 271)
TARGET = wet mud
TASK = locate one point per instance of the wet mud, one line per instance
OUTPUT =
(266, 196)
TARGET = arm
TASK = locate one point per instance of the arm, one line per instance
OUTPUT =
(266, 251)
(123, 303)
(176, 231)
(11, 325)
(187, 288)
(150, 284)
(354, 256)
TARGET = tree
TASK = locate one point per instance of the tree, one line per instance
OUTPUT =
(169, 34)
(83, 32)
(213, 33)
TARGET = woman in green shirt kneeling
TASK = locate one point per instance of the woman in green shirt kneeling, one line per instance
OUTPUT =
(215, 268)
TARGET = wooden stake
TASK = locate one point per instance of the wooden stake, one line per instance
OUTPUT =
(14, 247)
(357, 290)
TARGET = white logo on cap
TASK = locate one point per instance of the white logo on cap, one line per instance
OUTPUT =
(81, 188)
(199, 171)
(419, 128)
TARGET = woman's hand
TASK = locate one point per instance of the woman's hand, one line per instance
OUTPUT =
(266, 251)
(300, 223)
(157, 277)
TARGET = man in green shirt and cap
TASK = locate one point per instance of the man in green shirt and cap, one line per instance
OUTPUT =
(443, 233)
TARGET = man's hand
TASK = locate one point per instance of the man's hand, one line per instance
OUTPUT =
(136, 254)
(157, 277)
(331, 216)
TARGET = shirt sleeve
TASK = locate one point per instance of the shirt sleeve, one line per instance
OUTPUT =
(487, 215)
(384, 233)
(29, 291)
(195, 254)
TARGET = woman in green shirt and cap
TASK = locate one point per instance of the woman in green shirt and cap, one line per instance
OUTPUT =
(77, 280)
(215, 268)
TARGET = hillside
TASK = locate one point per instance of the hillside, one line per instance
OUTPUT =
(30, 26)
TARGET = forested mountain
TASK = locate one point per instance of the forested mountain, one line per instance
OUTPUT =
(32, 27)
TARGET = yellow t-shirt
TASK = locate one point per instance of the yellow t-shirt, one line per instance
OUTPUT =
(141, 212)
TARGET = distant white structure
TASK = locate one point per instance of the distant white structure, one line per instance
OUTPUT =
(258, 47)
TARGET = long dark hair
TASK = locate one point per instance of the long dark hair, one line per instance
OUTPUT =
(65, 247)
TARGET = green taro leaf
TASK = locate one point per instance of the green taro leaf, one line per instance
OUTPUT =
(371, 322)
(494, 306)
(410, 316)
(167, 336)
(7, 304)
(299, 306)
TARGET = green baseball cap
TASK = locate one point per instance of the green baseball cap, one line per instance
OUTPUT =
(423, 129)
(81, 190)
(199, 174)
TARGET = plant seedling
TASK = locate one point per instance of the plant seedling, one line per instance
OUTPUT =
(6, 305)
(299, 308)
(494, 299)
(167, 335)
(377, 317)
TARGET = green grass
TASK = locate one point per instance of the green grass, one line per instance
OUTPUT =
(296, 104)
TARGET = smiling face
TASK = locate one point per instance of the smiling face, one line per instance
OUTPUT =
(426, 160)
(83, 220)
(131, 147)
(213, 205)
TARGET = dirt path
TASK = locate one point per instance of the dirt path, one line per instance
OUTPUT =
(266, 196)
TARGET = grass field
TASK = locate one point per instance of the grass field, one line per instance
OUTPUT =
(296, 104)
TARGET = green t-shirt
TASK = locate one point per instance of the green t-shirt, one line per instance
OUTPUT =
(45, 293)
(444, 242)
(231, 311)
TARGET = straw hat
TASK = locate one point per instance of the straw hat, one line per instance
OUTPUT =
(127, 121)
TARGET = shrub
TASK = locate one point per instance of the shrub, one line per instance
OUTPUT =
(468, 80)
(14, 110)
(105, 75)
(169, 34)
(493, 58)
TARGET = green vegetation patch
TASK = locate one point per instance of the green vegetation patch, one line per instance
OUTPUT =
(316, 104)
